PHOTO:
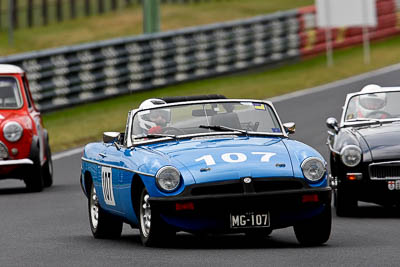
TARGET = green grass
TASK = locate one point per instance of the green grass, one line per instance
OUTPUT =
(129, 22)
(82, 124)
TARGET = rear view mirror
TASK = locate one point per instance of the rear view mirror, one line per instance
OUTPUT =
(332, 123)
(110, 137)
(290, 127)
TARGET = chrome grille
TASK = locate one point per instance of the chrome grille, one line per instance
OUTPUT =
(385, 171)
(3, 151)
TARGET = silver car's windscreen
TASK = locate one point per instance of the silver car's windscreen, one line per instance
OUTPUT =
(187, 119)
(383, 105)
(10, 97)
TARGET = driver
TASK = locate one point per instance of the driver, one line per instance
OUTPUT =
(153, 121)
(371, 103)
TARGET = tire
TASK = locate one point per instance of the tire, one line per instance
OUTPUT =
(153, 231)
(316, 230)
(48, 168)
(35, 183)
(102, 224)
(345, 204)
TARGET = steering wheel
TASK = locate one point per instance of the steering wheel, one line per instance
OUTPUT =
(379, 114)
(172, 130)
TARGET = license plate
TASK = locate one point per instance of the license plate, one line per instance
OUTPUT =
(249, 220)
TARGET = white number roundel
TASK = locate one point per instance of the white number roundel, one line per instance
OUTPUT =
(234, 157)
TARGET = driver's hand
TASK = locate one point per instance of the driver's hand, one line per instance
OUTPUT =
(155, 130)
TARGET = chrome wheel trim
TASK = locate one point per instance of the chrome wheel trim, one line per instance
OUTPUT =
(145, 214)
(94, 208)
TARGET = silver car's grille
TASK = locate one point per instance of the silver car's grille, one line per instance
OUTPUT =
(3, 151)
(385, 170)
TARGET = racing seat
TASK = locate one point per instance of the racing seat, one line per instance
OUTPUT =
(230, 120)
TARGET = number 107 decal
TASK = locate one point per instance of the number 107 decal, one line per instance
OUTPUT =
(236, 157)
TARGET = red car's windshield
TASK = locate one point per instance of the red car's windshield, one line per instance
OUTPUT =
(10, 97)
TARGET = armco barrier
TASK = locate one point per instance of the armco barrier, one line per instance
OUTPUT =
(72, 75)
(312, 39)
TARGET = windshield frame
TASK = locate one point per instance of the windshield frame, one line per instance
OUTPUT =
(344, 123)
(19, 95)
(134, 112)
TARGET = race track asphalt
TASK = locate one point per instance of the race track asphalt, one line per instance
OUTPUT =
(51, 228)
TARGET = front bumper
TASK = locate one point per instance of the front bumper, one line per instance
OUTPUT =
(16, 162)
(18, 168)
(212, 213)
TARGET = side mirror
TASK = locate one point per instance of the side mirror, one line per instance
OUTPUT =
(290, 127)
(109, 137)
(332, 123)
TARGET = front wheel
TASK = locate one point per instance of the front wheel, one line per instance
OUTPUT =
(102, 224)
(316, 230)
(345, 204)
(48, 169)
(35, 183)
(153, 231)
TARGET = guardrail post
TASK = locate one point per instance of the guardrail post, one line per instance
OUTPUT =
(151, 16)
(59, 9)
(10, 23)
(87, 7)
(44, 12)
(30, 13)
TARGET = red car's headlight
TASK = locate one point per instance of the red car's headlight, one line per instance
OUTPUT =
(12, 131)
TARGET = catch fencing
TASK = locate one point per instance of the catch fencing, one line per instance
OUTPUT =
(77, 74)
(30, 13)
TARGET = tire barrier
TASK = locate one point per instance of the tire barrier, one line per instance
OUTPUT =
(312, 39)
(73, 75)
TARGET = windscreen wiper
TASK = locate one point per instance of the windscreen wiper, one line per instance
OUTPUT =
(157, 136)
(222, 128)
(364, 119)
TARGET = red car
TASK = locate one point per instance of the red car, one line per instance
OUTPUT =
(24, 143)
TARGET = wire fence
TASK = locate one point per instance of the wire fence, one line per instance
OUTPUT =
(31, 13)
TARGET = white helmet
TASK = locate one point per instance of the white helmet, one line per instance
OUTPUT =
(373, 101)
(144, 118)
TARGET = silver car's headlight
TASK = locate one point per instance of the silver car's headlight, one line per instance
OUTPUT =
(168, 178)
(351, 155)
(313, 169)
(12, 131)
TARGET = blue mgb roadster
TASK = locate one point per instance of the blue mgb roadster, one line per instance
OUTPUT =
(205, 164)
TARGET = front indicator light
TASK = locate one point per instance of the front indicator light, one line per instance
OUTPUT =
(354, 176)
(184, 206)
(310, 198)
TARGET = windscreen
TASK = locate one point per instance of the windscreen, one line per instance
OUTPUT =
(10, 97)
(383, 105)
(194, 119)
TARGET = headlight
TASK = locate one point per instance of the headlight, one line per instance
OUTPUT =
(168, 178)
(351, 155)
(12, 131)
(313, 169)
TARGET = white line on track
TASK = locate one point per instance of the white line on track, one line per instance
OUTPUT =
(338, 83)
(67, 153)
(284, 97)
